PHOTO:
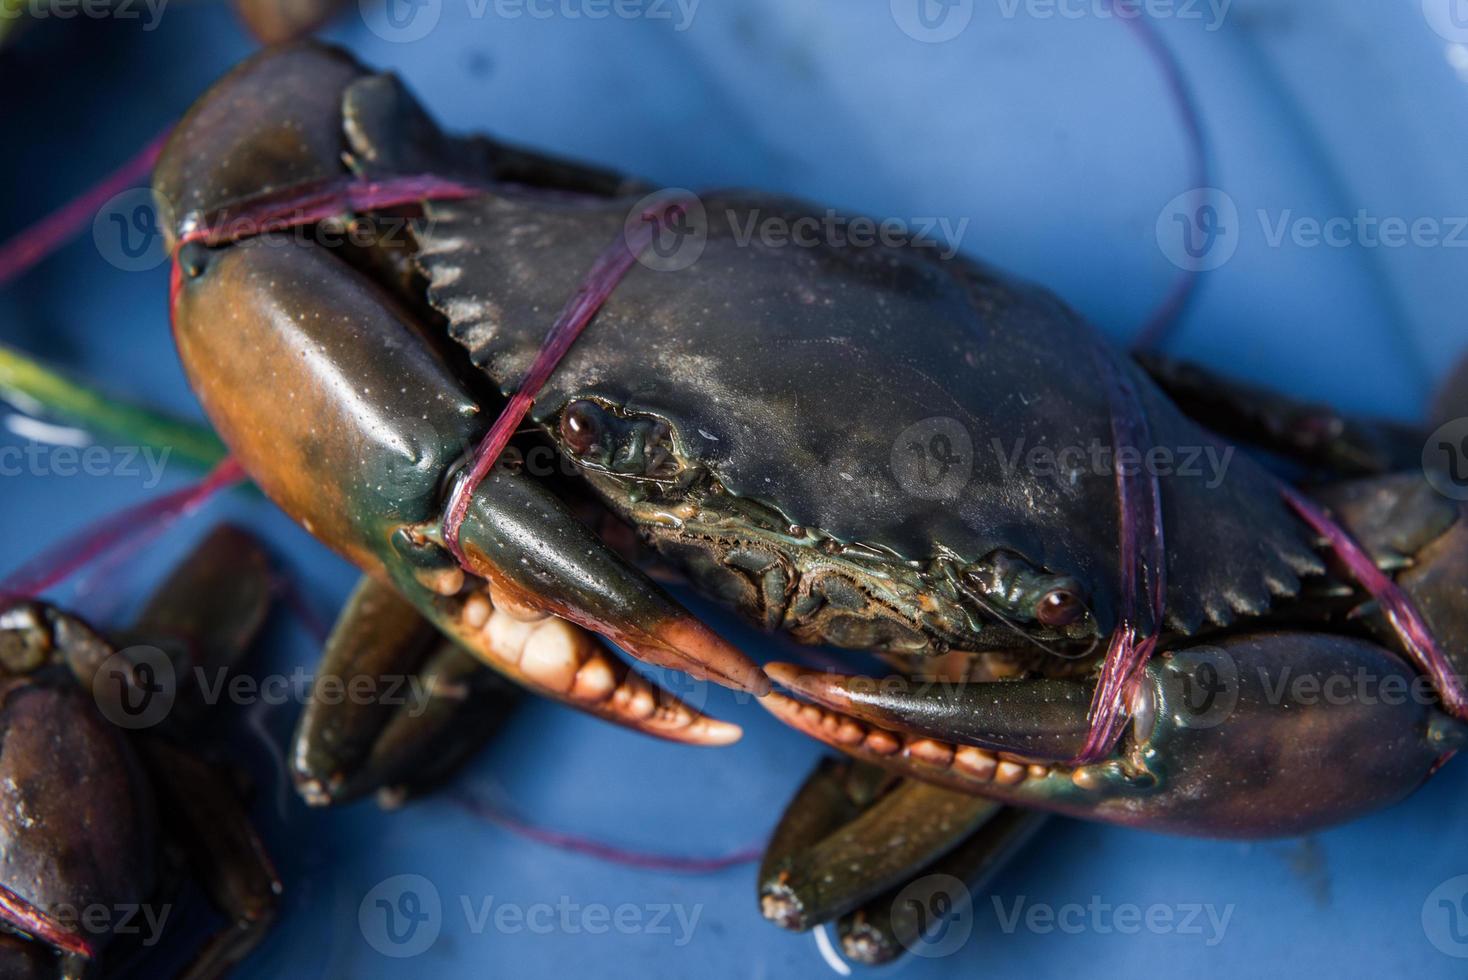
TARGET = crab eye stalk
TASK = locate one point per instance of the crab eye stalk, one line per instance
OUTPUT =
(1060, 607)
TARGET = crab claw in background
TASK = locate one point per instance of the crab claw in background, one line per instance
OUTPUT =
(437, 705)
(341, 409)
(1261, 735)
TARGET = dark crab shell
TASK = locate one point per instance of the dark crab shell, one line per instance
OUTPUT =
(791, 373)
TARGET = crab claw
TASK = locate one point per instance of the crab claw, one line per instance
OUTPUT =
(334, 395)
(1260, 735)
(339, 406)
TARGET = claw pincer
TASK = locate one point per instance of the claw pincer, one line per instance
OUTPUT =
(337, 401)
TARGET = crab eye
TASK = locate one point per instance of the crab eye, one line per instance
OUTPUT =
(581, 426)
(1060, 607)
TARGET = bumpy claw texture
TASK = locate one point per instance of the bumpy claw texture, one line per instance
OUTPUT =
(555, 657)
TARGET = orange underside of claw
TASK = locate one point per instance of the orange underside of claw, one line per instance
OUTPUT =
(961, 767)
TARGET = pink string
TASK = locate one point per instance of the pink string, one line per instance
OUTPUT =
(1143, 566)
(609, 853)
(1160, 323)
(36, 922)
(47, 235)
(606, 273)
(1404, 616)
(307, 204)
(140, 521)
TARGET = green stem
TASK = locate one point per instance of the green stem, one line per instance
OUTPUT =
(30, 382)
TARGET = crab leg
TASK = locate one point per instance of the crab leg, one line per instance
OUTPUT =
(1315, 435)
(883, 929)
(839, 845)
(431, 704)
(226, 853)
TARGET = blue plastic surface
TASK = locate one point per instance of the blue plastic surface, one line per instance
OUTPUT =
(1054, 138)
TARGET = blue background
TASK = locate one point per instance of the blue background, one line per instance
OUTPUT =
(1056, 139)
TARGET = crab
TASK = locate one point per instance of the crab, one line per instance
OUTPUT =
(837, 442)
(106, 805)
